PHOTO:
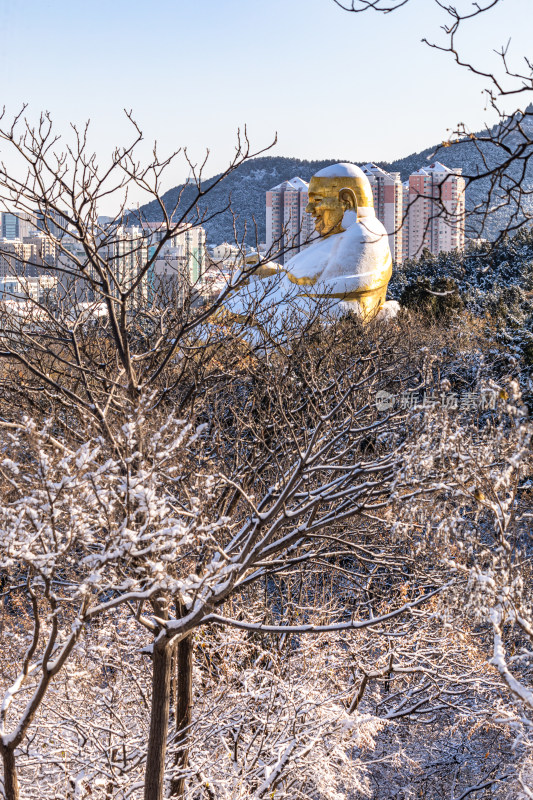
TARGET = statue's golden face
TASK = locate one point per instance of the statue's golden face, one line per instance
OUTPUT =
(325, 206)
(328, 200)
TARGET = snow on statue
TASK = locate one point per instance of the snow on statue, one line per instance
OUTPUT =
(350, 264)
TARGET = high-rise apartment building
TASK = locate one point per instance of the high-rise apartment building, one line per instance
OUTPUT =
(388, 203)
(17, 258)
(16, 226)
(10, 226)
(434, 200)
(27, 225)
(52, 223)
(127, 254)
(405, 220)
(186, 247)
(45, 249)
(288, 226)
(22, 251)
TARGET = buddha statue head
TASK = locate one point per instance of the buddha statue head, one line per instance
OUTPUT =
(337, 196)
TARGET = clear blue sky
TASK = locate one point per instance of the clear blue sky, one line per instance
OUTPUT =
(331, 84)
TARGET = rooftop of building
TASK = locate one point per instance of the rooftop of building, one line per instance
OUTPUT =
(294, 183)
(371, 169)
(436, 166)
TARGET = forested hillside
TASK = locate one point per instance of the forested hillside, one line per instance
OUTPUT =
(488, 286)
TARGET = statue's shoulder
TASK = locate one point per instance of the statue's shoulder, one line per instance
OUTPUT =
(309, 263)
(368, 228)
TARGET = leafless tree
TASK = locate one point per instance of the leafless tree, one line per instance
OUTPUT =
(280, 466)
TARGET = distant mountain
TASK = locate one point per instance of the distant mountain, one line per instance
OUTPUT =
(246, 188)
(247, 185)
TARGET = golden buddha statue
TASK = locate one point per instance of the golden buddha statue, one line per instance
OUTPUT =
(350, 263)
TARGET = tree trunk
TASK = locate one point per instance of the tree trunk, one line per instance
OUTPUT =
(157, 739)
(183, 712)
(11, 784)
